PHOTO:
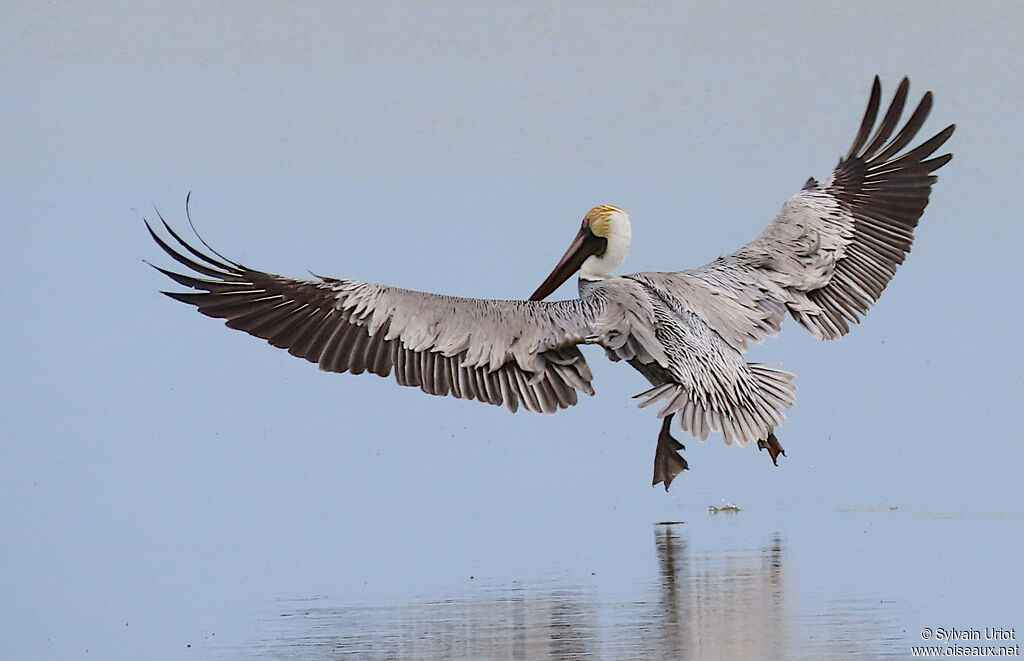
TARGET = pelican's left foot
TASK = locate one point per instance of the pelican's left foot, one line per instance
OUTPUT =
(773, 447)
(667, 461)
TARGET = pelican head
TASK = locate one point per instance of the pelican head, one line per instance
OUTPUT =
(598, 249)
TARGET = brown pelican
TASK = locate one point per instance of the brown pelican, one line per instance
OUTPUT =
(824, 259)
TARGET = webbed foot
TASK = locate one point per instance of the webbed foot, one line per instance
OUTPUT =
(668, 463)
(772, 445)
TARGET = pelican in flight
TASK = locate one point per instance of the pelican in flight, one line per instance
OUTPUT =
(824, 259)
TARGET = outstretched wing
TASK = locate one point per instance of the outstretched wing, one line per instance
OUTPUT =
(834, 246)
(499, 352)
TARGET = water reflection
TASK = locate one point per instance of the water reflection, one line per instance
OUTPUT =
(533, 622)
(728, 605)
(700, 604)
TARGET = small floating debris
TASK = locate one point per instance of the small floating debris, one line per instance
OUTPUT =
(728, 507)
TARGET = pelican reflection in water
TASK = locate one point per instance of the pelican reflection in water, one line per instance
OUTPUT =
(824, 259)
(688, 607)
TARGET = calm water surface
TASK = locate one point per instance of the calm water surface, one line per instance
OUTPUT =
(825, 585)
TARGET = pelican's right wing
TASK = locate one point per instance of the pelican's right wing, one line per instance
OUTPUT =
(834, 246)
(500, 352)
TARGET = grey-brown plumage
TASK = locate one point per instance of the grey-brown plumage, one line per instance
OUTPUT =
(508, 353)
(824, 259)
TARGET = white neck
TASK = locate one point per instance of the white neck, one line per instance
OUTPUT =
(620, 235)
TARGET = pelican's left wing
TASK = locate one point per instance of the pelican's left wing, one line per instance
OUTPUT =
(834, 246)
(500, 352)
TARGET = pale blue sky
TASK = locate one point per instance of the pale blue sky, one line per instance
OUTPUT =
(453, 148)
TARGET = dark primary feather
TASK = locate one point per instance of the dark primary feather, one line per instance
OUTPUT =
(885, 196)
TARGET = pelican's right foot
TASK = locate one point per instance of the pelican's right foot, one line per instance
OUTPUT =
(667, 461)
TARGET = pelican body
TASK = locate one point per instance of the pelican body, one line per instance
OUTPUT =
(824, 259)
